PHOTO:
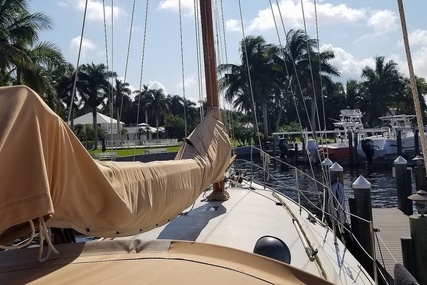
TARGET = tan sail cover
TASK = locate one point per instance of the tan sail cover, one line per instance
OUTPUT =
(45, 171)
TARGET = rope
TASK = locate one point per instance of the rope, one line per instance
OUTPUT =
(110, 96)
(313, 128)
(127, 59)
(298, 83)
(182, 70)
(321, 81)
(25, 244)
(142, 68)
(199, 64)
(77, 64)
(44, 234)
(249, 73)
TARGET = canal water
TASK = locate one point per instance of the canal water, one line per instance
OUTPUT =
(383, 184)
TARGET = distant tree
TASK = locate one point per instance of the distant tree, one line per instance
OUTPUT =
(254, 75)
(94, 87)
(380, 87)
(158, 106)
(174, 126)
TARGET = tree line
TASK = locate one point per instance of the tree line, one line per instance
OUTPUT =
(273, 87)
(293, 85)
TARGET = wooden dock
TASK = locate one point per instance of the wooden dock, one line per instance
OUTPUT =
(393, 225)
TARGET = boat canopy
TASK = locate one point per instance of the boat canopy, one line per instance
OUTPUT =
(47, 173)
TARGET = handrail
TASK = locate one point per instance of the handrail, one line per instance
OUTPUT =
(302, 198)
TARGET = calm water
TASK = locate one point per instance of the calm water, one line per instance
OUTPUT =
(383, 184)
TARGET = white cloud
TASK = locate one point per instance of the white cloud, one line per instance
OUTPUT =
(419, 61)
(291, 12)
(187, 6)
(95, 10)
(189, 81)
(157, 85)
(347, 64)
(87, 46)
(418, 37)
(233, 25)
(384, 21)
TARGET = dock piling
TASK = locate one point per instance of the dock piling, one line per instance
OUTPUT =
(403, 185)
(363, 208)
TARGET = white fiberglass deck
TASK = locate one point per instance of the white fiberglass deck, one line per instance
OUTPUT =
(250, 214)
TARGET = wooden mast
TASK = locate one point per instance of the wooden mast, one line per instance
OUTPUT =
(412, 80)
(219, 193)
(209, 54)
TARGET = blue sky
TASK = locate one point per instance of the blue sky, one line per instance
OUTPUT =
(356, 30)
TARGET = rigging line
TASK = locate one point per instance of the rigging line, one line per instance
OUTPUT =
(295, 69)
(107, 64)
(182, 69)
(280, 43)
(220, 58)
(105, 34)
(127, 61)
(198, 62)
(249, 74)
(298, 83)
(313, 128)
(112, 68)
(321, 81)
(230, 119)
(286, 67)
(78, 62)
(142, 68)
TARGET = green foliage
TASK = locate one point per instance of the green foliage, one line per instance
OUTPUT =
(174, 126)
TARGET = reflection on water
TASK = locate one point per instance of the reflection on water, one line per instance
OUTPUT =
(383, 184)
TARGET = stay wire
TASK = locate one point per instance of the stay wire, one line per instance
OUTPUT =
(182, 70)
(297, 79)
(313, 128)
(77, 64)
(249, 73)
(127, 57)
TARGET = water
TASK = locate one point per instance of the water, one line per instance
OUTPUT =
(383, 184)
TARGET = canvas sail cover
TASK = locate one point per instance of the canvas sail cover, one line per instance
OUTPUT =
(46, 172)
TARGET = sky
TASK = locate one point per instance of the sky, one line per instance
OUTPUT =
(356, 30)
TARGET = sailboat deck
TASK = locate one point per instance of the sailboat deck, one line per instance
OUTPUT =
(229, 223)
(250, 213)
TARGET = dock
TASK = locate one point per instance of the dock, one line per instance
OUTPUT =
(392, 225)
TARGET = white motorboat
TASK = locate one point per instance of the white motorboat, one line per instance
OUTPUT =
(385, 145)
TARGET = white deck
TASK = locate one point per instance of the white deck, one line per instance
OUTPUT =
(250, 214)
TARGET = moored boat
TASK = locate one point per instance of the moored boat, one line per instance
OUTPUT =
(350, 121)
(385, 146)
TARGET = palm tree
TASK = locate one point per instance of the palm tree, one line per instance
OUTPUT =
(379, 89)
(18, 36)
(306, 71)
(121, 97)
(64, 90)
(142, 100)
(94, 87)
(255, 75)
(158, 106)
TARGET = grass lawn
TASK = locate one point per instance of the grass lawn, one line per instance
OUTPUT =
(133, 151)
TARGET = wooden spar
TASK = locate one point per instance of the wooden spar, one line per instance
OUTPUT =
(219, 193)
(209, 54)
(412, 79)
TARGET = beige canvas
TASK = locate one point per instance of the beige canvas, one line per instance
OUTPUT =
(46, 172)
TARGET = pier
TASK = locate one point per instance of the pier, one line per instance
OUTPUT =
(392, 225)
